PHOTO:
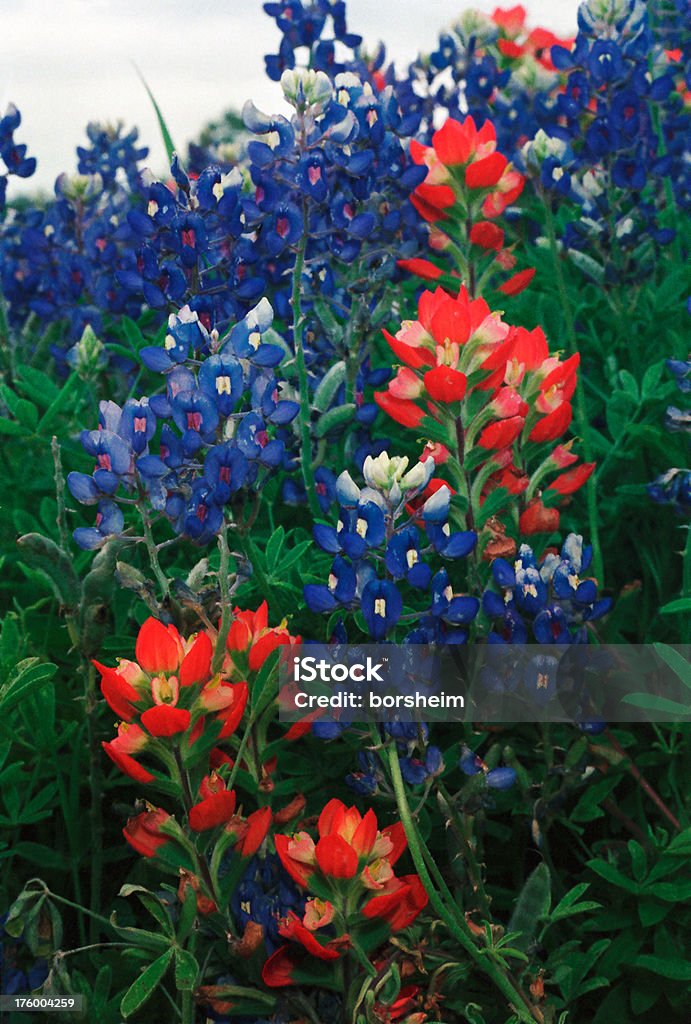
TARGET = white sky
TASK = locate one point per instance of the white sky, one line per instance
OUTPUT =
(67, 62)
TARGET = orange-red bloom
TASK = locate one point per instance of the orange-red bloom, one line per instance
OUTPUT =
(144, 832)
(573, 479)
(164, 720)
(538, 519)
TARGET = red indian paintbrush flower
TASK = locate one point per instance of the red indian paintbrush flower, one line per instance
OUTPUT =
(250, 635)
(353, 860)
(169, 693)
(494, 387)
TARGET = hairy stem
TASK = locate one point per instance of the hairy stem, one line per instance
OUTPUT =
(151, 548)
(226, 610)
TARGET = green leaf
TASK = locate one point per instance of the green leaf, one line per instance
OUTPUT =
(133, 335)
(188, 915)
(611, 874)
(165, 134)
(152, 903)
(27, 413)
(145, 985)
(629, 385)
(619, 412)
(273, 547)
(37, 385)
(677, 662)
(29, 676)
(662, 705)
(58, 404)
(651, 379)
(671, 892)
(568, 905)
(675, 970)
(11, 428)
(139, 936)
(682, 604)
(493, 503)
(186, 970)
(638, 860)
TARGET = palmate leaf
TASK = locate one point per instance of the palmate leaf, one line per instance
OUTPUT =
(28, 676)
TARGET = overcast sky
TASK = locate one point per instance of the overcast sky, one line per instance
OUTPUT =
(67, 62)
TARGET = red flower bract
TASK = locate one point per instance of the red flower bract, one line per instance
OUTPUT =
(196, 665)
(143, 832)
(336, 857)
(444, 384)
(401, 906)
(552, 426)
(257, 826)
(574, 478)
(158, 648)
(422, 268)
(502, 433)
(119, 694)
(486, 172)
(518, 282)
(127, 764)
(487, 235)
(164, 720)
(538, 519)
(214, 810)
(402, 410)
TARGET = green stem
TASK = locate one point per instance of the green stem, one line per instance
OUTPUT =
(298, 340)
(463, 831)
(226, 610)
(96, 794)
(457, 928)
(187, 1007)
(75, 906)
(152, 550)
(581, 412)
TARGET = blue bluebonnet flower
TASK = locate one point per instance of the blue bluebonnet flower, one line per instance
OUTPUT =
(545, 603)
(419, 770)
(603, 149)
(376, 531)
(14, 155)
(266, 894)
(21, 972)
(302, 25)
(501, 777)
(112, 151)
(219, 419)
(673, 487)
(335, 179)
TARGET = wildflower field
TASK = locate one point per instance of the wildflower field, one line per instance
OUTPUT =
(405, 365)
